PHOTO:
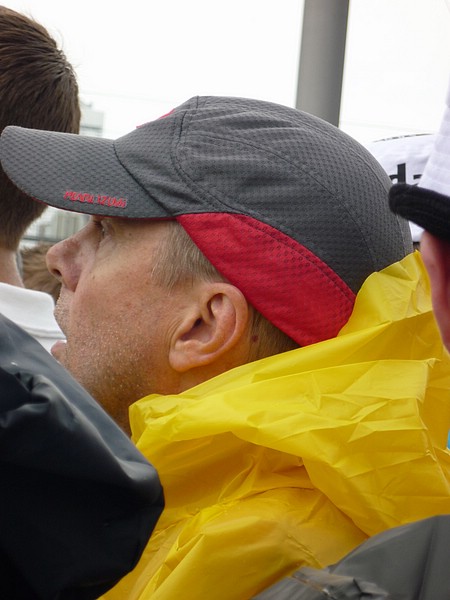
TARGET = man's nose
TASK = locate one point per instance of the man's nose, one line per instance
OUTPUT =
(62, 261)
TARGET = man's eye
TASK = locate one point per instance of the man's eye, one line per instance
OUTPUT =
(101, 228)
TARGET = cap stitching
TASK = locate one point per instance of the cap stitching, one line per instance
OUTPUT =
(216, 140)
(345, 290)
(311, 173)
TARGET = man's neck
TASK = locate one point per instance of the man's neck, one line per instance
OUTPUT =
(9, 272)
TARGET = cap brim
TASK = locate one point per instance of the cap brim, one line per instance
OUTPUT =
(72, 172)
(427, 208)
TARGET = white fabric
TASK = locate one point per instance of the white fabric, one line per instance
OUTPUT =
(436, 175)
(31, 310)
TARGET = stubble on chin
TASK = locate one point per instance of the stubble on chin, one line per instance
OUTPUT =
(60, 312)
(106, 363)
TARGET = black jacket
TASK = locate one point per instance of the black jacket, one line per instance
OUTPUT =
(78, 502)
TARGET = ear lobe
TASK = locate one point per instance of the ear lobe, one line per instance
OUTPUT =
(211, 327)
(436, 257)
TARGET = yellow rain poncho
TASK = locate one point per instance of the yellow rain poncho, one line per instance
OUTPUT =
(295, 459)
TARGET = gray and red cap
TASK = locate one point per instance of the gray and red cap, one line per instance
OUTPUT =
(286, 206)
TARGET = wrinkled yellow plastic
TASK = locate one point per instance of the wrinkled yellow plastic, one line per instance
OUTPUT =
(295, 459)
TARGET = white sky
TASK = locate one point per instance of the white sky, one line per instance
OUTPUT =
(137, 59)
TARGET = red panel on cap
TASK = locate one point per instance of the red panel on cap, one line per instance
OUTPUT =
(282, 279)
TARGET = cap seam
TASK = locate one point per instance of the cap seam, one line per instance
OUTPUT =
(346, 291)
(293, 165)
(315, 176)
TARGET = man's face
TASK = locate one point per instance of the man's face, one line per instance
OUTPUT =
(117, 321)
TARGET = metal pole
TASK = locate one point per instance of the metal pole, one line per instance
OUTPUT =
(322, 54)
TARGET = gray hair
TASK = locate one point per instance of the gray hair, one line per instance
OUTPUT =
(180, 262)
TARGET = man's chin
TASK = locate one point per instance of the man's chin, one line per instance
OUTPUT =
(59, 350)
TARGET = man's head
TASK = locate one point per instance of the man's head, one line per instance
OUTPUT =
(38, 89)
(227, 230)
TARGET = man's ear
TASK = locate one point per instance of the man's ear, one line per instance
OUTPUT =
(436, 257)
(211, 327)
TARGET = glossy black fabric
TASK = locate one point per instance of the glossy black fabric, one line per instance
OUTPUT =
(411, 562)
(78, 502)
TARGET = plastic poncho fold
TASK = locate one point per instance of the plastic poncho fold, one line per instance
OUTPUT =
(294, 460)
(414, 559)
